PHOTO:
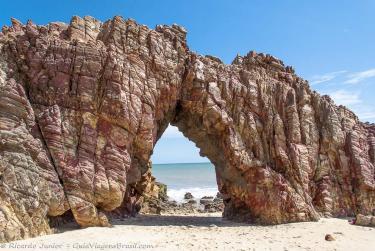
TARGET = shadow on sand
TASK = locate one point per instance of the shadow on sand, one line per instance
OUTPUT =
(164, 220)
(178, 220)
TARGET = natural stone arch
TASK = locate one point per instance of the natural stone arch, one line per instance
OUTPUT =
(84, 104)
(253, 191)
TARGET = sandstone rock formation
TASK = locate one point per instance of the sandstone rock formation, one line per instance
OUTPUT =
(82, 106)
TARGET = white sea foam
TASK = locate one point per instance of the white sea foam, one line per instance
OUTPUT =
(197, 192)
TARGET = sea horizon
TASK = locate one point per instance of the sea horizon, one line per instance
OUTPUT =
(197, 178)
(206, 162)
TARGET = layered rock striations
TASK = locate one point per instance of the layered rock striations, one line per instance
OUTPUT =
(82, 106)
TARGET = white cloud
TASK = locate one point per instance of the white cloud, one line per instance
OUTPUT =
(318, 79)
(357, 77)
(346, 98)
(352, 100)
(367, 115)
(172, 132)
(351, 78)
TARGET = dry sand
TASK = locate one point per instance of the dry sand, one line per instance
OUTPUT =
(204, 232)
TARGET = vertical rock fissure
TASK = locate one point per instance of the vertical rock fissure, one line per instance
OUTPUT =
(53, 163)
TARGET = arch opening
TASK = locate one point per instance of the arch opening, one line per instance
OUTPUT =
(190, 178)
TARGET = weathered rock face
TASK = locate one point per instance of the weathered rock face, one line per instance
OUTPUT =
(365, 220)
(82, 106)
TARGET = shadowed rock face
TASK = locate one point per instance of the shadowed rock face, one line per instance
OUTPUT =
(82, 106)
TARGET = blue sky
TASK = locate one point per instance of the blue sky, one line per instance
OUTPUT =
(330, 43)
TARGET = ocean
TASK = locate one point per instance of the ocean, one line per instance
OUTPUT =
(180, 178)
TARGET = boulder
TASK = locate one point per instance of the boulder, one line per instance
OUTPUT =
(192, 201)
(365, 220)
(188, 196)
(205, 201)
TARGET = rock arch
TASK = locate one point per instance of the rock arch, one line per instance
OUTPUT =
(82, 106)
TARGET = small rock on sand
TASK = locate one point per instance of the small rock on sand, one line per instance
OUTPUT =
(329, 237)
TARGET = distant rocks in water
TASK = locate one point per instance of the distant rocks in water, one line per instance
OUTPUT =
(214, 207)
(218, 200)
(206, 200)
(188, 196)
(211, 204)
(172, 203)
(365, 220)
(192, 201)
(161, 204)
(206, 204)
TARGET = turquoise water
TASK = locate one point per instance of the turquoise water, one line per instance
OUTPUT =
(197, 178)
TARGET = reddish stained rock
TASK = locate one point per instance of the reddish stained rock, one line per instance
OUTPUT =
(82, 106)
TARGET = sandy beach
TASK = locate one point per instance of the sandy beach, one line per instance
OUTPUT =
(203, 232)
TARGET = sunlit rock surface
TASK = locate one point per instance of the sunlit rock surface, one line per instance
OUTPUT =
(82, 106)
